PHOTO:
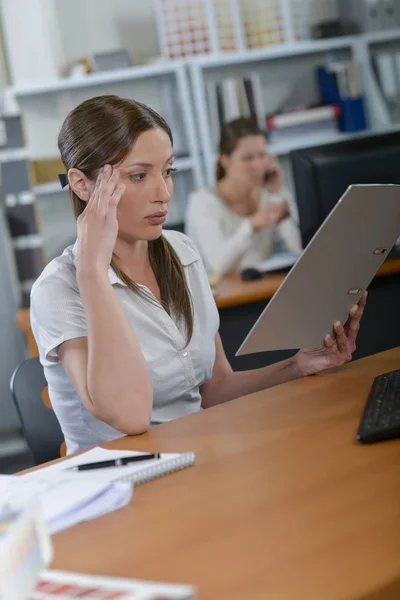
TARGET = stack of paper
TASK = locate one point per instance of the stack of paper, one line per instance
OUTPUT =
(281, 260)
(65, 501)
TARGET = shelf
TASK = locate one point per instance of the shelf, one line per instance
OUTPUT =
(12, 154)
(315, 139)
(309, 141)
(388, 35)
(321, 138)
(93, 79)
(54, 187)
(272, 52)
(205, 61)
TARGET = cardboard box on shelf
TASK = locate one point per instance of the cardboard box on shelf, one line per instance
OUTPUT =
(46, 170)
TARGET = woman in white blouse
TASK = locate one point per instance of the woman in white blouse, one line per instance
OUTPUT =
(234, 223)
(125, 321)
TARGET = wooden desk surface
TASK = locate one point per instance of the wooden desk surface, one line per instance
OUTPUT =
(282, 503)
(232, 291)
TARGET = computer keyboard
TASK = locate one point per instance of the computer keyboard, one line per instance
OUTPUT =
(381, 417)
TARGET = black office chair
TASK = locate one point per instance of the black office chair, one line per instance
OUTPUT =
(39, 422)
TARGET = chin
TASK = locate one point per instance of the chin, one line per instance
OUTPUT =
(152, 233)
(252, 181)
(146, 235)
(155, 235)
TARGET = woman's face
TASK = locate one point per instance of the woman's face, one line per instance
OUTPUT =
(146, 173)
(248, 162)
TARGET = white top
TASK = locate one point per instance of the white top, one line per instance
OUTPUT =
(177, 372)
(227, 241)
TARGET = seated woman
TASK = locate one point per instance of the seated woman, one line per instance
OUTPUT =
(125, 321)
(234, 224)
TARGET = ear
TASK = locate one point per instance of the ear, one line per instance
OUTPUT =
(80, 184)
(224, 160)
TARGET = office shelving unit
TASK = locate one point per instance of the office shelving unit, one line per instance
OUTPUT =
(163, 86)
(277, 65)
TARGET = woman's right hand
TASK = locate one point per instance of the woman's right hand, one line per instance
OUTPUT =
(98, 225)
(269, 215)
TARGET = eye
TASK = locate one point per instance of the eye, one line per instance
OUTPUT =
(169, 171)
(137, 176)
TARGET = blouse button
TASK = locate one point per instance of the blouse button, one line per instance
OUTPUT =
(184, 354)
(190, 380)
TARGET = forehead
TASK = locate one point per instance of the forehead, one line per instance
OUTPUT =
(151, 146)
(251, 143)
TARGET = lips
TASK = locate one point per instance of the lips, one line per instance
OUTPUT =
(160, 213)
(157, 218)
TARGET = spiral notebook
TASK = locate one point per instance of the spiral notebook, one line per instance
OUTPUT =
(135, 472)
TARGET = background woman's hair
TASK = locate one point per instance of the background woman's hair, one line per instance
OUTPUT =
(231, 133)
(102, 131)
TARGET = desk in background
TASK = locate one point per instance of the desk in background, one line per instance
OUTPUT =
(241, 302)
(282, 504)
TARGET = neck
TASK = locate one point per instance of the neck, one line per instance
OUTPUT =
(236, 193)
(132, 257)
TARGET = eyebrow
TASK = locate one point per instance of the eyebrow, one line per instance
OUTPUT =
(144, 164)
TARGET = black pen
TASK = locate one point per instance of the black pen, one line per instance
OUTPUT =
(118, 462)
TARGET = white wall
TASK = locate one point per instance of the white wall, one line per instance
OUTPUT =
(4, 80)
(32, 40)
(94, 25)
(45, 37)
(88, 26)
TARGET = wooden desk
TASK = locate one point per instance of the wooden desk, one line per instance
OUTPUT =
(232, 290)
(282, 503)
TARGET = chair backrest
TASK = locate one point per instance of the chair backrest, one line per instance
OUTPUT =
(39, 422)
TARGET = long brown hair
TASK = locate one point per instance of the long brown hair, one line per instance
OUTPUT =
(102, 131)
(231, 133)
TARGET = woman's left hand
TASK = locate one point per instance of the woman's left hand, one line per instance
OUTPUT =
(335, 352)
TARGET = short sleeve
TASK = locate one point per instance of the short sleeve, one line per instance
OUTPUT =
(57, 314)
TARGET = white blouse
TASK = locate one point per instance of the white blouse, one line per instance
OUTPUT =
(177, 372)
(227, 241)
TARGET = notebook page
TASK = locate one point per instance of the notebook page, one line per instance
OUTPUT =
(167, 462)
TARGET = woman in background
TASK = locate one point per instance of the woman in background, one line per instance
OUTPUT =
(235, 223)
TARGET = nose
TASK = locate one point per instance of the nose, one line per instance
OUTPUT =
(163, 191)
